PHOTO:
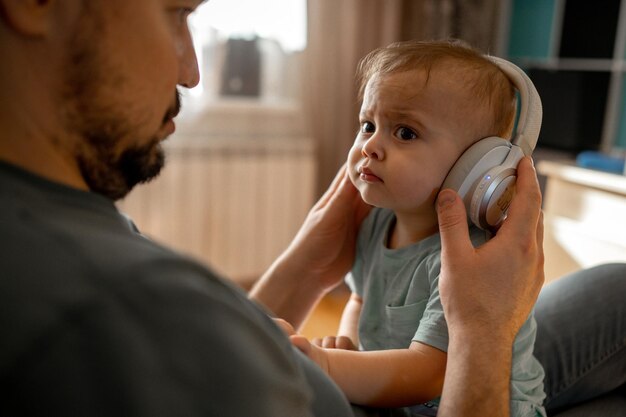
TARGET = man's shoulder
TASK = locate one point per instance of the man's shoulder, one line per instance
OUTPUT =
(48, 273)
(161, 324)
(140, 301)
(56, 271)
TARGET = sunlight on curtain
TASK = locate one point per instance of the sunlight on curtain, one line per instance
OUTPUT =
(248, 48)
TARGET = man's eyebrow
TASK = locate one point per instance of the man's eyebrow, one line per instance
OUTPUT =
(198, 3)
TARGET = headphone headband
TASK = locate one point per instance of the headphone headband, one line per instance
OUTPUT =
(485, 174)
(531, 112)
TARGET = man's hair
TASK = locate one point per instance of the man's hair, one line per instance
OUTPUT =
(484, 80)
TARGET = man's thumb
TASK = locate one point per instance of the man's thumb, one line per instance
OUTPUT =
(452, 220)
(302, 343)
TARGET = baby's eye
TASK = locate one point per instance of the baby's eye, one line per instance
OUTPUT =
(405, 133)
(368, 127)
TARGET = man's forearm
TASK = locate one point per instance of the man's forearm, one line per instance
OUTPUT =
(288, 296)
(478, 373)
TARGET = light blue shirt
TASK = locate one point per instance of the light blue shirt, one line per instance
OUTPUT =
(401, 304)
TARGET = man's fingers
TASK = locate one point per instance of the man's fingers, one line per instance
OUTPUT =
(343, 193)
(301, 343)
(452, 220)
(540, 248)
(540, 232)
(285, 326)
(526, 204)
(338, 182)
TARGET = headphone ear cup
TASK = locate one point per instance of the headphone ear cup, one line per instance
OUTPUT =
(484, 176)
(492, 197)
(473, 164)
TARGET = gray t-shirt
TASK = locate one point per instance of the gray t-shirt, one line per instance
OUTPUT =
(97, 320)
(401, 304)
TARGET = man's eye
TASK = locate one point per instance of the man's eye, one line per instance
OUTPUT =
(368, 127)
(181, 14)
(405, 133)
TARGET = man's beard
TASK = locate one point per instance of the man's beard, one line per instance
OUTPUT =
(114, 176)
(110, 173)
(99, 127)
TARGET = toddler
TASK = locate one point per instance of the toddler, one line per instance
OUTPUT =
(423, 105)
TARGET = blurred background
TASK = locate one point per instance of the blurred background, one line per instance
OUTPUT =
(276, 112)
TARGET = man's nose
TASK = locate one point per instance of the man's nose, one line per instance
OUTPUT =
(189, 74)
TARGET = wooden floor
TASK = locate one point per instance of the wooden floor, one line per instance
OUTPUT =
(324, 321)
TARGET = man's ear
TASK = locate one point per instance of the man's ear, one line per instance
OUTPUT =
(28, 17)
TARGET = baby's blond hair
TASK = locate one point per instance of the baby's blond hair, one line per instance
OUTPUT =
(485, 81)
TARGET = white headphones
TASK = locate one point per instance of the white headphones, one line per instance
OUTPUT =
(484, 176)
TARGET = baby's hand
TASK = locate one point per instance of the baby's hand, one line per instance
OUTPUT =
(316, 353)
(335, 342)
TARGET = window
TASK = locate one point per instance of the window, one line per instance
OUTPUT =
(248, 49)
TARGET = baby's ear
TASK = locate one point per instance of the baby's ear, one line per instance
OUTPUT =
(28, 17)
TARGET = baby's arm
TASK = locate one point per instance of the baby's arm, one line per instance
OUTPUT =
(349, 324)
(384, 378)
(347, 335)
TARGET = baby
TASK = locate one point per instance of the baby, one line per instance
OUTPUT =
(423, 105)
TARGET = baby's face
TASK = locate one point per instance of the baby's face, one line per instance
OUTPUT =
(411, 134)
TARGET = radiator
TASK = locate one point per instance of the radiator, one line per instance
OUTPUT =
(233, 203)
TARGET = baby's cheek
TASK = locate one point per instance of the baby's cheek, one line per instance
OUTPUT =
(417, 192)
(352, 164)
(354, 177)
(354, 153)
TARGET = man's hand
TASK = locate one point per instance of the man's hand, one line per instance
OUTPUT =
(319, 256)
(285, 326)
(487, 293)
(325, 244)
(316, 353)
(497, 284)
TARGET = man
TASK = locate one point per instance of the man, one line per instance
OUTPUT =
(97, 320)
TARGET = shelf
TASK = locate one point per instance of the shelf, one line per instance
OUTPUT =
(620, 140)
(572, 64)
(598, 24)
(573, 108)
(574, 51)
(531, 28)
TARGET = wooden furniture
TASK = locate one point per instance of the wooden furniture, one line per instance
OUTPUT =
(585, 218)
